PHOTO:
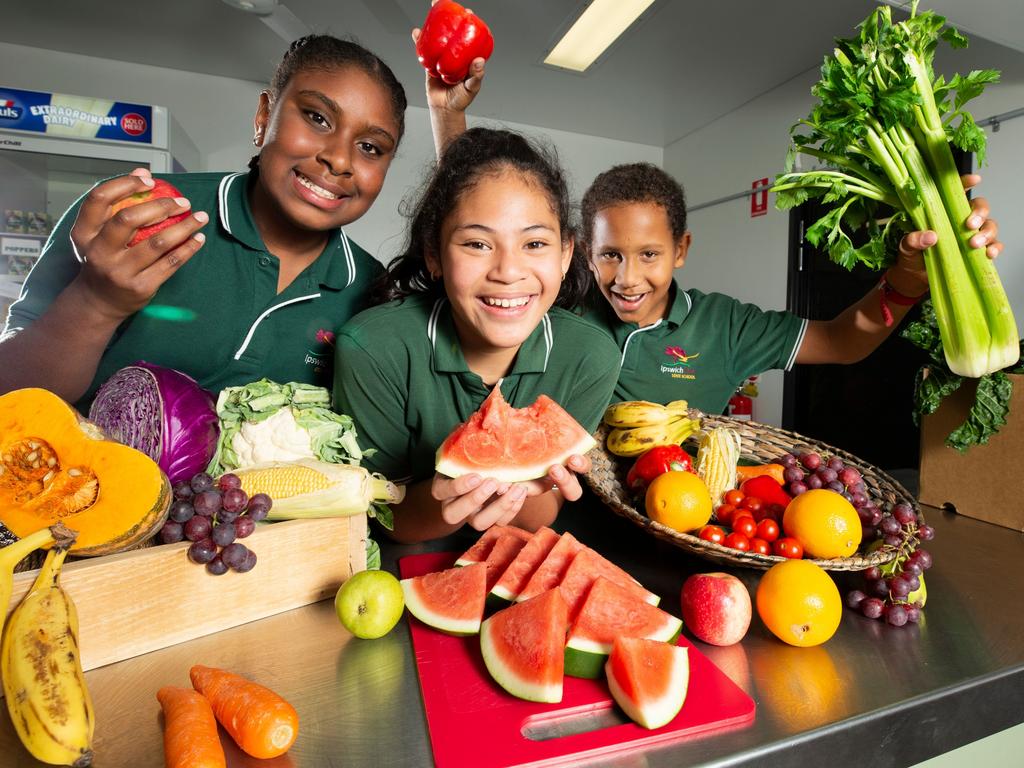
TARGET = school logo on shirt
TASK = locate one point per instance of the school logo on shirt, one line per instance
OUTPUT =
(678, 364)
(320, 357)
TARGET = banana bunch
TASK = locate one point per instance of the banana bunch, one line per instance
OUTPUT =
(44, 685)
(638, 426)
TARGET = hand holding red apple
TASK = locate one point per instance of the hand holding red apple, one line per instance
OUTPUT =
(131, 234)
(716, 608)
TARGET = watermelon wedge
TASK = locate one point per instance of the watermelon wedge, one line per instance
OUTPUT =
(519, 571)
(523, 647)
(451, 601)
(648, 679)
(584, 570)
(550, 572)
(504, 551)
(512, 444)
(482, 548)
(611, 611)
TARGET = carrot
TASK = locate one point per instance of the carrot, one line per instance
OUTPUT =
(261, 722)
(772, 470)
(190, 732)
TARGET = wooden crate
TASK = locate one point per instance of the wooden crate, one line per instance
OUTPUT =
(139, 601)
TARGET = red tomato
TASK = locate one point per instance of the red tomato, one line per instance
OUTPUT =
(752, 503)
(734, 497)
(760, 546)
(724, 514)
(450, 39)
(712, 533)
(776, 511)
(788, 547)
(744, 525)
(737, 541)
(768, 530)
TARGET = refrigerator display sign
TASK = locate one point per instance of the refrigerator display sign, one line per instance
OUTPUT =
(79, 117)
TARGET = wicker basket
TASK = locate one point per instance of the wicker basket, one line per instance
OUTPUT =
(762, 443)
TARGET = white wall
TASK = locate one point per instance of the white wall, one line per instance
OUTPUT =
(217, 113)
(746, 257)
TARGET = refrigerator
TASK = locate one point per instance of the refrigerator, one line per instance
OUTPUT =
(53, 148)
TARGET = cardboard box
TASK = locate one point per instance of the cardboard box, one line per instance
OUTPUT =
(145, 599)
(984, 482)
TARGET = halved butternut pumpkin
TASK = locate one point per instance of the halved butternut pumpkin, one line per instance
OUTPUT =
(57, 466)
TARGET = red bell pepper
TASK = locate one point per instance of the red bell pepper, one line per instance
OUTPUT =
(657, 461)
(766, 488)
(450, 39)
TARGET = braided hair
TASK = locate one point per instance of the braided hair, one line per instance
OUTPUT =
(326, 52)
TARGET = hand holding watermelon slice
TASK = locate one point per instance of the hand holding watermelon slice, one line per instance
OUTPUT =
(490, 465)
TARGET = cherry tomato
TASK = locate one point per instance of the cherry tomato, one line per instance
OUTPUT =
(787, 547)
(776, 511)
(752, 503)
(712, 533)
(737, 541)
(764, 513)
(760, 546)
(768, 530)
(744, 525)
(734, 497)
(724, 514)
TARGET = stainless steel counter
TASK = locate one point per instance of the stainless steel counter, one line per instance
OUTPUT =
(873, 695)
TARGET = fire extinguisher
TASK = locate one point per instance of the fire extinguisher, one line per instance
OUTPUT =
(741, 404)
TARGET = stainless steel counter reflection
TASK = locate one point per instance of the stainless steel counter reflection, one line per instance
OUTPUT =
(872, 695)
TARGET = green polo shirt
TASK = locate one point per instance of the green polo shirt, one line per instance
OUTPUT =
(219, 318)
(400, 373)
(702, 351)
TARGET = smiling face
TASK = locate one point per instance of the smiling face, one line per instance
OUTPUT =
(502, 259)
(633, 255)
(326, 141)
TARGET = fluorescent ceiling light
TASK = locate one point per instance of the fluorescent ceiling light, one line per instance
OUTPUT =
(595, 30)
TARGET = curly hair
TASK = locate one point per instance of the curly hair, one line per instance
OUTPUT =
(326, 52)
(635, 183)
(474, 155)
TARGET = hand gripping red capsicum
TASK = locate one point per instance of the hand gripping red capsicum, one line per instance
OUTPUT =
(450, 39)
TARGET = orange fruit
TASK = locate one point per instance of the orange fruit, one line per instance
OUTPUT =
(679, 500)
(824, 522)
(799, 603)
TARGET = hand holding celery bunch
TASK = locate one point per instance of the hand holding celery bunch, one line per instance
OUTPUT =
(883, 123)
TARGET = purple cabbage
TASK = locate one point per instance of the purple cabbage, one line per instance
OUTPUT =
(161, 412)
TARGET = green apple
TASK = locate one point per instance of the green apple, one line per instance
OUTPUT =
(370, 603)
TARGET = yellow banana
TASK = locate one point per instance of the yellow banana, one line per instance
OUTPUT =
(633, 442)
(44, 685)
(632, 414)
(14, 553)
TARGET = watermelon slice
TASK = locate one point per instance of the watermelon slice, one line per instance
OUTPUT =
(612, 611)
(584, 570)
(451, 601)
(502, 554)
(512, 444)
(520, 570)
(550, 572)
(648, 679)
(478, 552)
(523, 647)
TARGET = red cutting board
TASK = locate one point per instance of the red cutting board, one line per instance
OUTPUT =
(473, 722)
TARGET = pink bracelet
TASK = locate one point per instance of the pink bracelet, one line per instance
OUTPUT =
(889, 294)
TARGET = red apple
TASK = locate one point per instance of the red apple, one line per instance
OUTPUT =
(716, 608)
(160, 189)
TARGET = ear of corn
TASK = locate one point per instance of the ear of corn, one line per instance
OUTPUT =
(717, 458)
(311, 488)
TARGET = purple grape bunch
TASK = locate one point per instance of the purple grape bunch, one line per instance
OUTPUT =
(891, 592)
(213, 515)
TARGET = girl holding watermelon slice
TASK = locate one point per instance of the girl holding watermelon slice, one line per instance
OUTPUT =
(478, 300)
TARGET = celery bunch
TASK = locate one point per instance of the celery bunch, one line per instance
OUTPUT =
(883, 125)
